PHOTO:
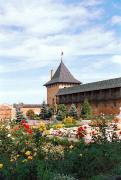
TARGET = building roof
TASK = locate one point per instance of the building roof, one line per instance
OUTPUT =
(21, 105)
(32, 106)
(62, 75)
(106, 84)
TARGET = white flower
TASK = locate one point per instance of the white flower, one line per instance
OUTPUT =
(13, 138)
(8, 127)
(9, 135)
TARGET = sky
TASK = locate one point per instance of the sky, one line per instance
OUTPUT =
(33, 33)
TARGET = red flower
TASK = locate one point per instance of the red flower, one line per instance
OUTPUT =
(29, 131)
(26, 126)
(120, 132)
(80, 128)
(23, 121)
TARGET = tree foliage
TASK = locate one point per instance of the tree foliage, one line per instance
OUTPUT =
(46, 112)
(43, 110)
(73, 111)
(60, 115)
(61, 112)
(30, 114)
(86, 111)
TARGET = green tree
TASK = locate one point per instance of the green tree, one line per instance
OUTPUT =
(30, 114)
(49, 112)
(60, 115)
(43, 110)
(73, 111)
(86, 110)
(63, 109)
(19, 117)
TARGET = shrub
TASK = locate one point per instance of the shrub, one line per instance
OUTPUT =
(69, 120)
(58, 126)
(49, 112)
(42, 126)
(30, 114)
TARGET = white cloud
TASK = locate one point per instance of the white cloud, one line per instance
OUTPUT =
(35, 52)
(116, 20)
(35, 32)
(116, 59)
(92, 2)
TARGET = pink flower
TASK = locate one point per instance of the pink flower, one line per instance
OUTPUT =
(94, 132)
(17, 128)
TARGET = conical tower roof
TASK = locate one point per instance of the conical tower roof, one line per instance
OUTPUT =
(62, 75)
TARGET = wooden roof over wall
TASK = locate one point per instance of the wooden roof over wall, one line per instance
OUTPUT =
(106, 84)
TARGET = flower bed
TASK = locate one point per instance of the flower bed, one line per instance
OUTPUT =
(28, 153)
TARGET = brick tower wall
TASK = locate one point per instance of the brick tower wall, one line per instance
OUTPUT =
(52, 91)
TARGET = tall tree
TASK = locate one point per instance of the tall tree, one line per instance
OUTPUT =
(63, 110)
(60, 115)
(73, 111)
(43, 110)
(86, 110)
(49, 112)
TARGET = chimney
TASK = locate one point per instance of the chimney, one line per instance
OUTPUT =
(51, 73)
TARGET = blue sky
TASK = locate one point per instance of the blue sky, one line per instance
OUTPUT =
(34, 32)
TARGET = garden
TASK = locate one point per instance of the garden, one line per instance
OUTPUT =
(67, 148)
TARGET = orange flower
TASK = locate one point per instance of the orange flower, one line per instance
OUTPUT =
(30, 157)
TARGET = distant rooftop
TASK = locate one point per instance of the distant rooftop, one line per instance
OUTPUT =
(21, 105)
(106, 84)
(62, 75)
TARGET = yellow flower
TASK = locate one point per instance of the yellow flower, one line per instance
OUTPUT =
(11, 160)
(28, 153)
(1, 166)
(25, 160)
(30, 157)
(71, 146)
(17, 155)
(47, 132)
